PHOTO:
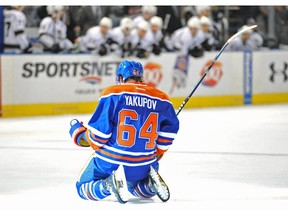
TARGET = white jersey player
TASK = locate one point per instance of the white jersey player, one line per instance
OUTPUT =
(15, 39)
(155, 33)
(256, 38)
(96, 37)
(188, 40)
(52, 31)
(142, 42)
(207, 29)
(243, 42)
(147, 12)
(121, 39)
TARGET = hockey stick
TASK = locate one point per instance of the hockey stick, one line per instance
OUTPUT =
(211, 65)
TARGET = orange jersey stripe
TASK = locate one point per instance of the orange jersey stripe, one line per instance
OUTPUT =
(127, 158)
(140, 88)
(92, 145)
(96, 138)
(164, 140)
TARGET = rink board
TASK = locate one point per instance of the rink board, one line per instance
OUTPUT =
(68, 84)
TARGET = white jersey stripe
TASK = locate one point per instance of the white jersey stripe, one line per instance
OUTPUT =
(168, 135)
(134, 93)
(128, 152)
(125, 163)
(99, 133)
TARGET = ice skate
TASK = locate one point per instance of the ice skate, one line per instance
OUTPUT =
(116, 184)
(158, 185)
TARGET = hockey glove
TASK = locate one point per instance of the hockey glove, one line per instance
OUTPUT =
(77, 131)
(156, 49)
(103, 50)
(28, 49)
(142, 53)
(196, 51)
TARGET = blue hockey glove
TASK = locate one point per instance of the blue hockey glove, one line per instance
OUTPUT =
(77, 132)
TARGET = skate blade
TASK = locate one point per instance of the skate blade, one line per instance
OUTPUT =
(159, 185)
(122, 184)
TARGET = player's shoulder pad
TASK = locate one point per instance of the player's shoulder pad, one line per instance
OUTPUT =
(46, 21)
(155, 92)
(112, 90)
(135, 89)
(20, 15)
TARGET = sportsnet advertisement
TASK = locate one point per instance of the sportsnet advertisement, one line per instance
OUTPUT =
(76, 78)
(55, 78)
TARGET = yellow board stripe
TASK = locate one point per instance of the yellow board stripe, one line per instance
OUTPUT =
(47, 109)
(270, 98)
(209, 101)
(89, 107)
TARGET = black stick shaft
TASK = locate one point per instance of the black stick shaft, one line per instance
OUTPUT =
(204, 75)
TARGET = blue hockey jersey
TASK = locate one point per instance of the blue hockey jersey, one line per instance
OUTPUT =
(132, 124)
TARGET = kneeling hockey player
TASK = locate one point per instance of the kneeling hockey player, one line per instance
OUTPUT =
(130, 130)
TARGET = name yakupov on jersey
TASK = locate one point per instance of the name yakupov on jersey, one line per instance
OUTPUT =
(132, 122)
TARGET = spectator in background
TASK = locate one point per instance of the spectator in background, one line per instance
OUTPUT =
(15, 39)
(89, 16)
(115, 13)
(147, 12)
(209, 42)
(52, 31)
(121, 39)
(171, 19)
(72, 14)
(243, 42)
(42, 12)
(132, 11)
(281, 25)
(222, 35)
(187, 40)
(256, 38)
(142, 44)
(95, 40)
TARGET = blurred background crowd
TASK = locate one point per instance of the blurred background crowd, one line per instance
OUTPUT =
(141, 30)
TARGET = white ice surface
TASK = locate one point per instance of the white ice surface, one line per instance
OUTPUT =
(224, 161)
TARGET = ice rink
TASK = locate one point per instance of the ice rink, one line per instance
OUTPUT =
(224, 161)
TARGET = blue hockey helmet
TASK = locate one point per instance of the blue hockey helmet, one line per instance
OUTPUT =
(128, 69)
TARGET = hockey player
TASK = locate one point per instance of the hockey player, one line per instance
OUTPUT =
(95, 40)
(256, 38)
(142, 42)
(52, 31)
(155, 33)
(210, 42)
(188, 40)
(147, 12)
(121, 39)
(242, 42)
(132, 127)
(15, 39)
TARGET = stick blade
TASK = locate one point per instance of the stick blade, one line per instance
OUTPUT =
(241, 31)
